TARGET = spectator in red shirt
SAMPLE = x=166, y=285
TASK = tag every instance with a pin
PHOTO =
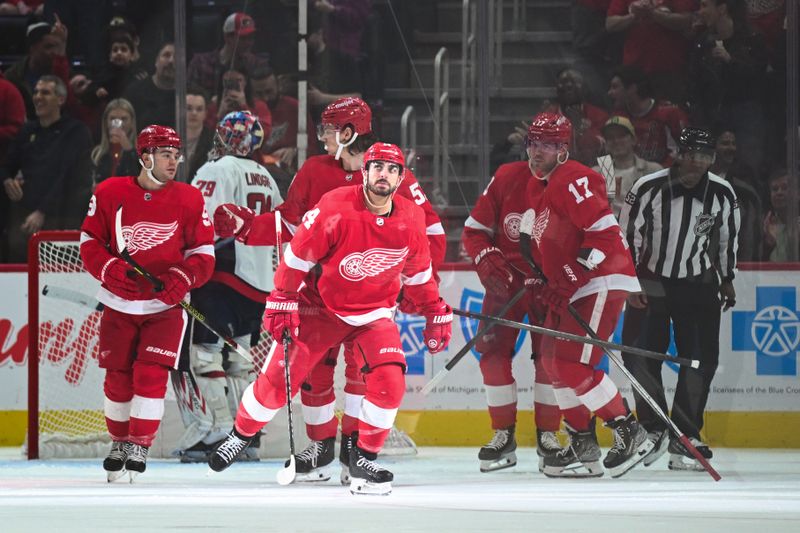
x=282, y=142
x=655, y=39
x=658, y=123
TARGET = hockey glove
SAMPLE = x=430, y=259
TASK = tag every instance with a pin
x=495, y=272
x=438, y=326
x=281, y=313
x=558, y=291
x=231, y=220
x=176, y=284
x=120, y=279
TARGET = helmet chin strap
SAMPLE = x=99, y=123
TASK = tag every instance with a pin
x=343, y=146
x=365, y=188
x=149, y=172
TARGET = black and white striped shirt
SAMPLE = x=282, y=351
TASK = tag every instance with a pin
x=682, y=233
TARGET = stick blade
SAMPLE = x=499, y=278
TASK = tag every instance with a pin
x=288, y=473
x=429, y=386
x=702, y=460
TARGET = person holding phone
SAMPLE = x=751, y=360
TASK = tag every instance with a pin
x=115, y=155
x=235, y=95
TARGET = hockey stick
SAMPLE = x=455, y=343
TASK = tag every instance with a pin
x=429, y=386
x=288, y=473
x=122, y=248
x=70, y=295
x=693, y=363
x=525, y=249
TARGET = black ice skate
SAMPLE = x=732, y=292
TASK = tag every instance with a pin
x=228, y=450
x=312, y=462
x=660, y=440
x=250, y=454
x=344, y=458
x=499, y=453
x=199, y=453
x=547, y=444
x=682, y=459
x=136, y=463
x=580, y=459
x=367, y=476
x=114, y=464
x=631, y=445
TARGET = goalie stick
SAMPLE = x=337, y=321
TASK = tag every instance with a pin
x=288, y=473
x=122, y=248
x=525, y=248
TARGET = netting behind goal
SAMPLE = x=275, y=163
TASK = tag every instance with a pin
x=65, y=388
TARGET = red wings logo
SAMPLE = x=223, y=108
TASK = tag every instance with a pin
x=145, y=235
x=511, y=226
x=360, y=265
x=539, y=224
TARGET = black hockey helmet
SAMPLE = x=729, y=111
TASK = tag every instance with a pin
x=697, y=139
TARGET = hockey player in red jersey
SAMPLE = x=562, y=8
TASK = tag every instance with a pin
x=368, y=242
x=491, y=238
x=168, y=232
x=234, y=297
x=346, y=131
x=582, y=253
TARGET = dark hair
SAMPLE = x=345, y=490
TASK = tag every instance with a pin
x=197, y=91
x=737, y=10
x=362, y=143
x=36, y=31
x=777, y=173
x=261, y=72
x=121, y=38
x=630, y=75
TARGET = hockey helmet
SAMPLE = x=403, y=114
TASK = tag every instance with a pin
x=384, y=152
x=550, y=127
x=348, y=111
x=239, y=133
x=697, y=139
x=155, y=136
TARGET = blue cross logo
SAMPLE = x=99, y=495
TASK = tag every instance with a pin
x=473, y=301
x=412, y=340
x=772, y=331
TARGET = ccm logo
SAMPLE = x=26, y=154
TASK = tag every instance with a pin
x=160, y=351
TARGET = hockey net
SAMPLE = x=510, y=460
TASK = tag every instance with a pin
x=65, y=388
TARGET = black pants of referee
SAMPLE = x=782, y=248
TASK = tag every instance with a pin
x=694, y=309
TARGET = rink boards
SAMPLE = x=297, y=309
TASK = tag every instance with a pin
x=754, y=402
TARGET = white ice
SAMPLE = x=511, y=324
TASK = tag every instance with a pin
x=441, y=489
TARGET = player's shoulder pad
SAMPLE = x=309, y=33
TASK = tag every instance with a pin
x=512, y=171
x=111, y=186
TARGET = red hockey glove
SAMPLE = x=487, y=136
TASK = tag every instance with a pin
x=406, y=306
x=280, y=313
x=176, y=284
x=231, y=220
x=120, y=279
x=438, y=326
x=559, y=290
x=495, y=272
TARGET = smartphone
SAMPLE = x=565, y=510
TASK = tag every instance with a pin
x=230, y=85
x=116, y=123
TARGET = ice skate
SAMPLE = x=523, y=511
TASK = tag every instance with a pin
x=547, y=444
x=367, y=476
x=344, y=458
x=228, y=450
x=311, y=463
x=136, y=463
x=682, y=459
x=631, y=445
x=580, y=459
x=499, y=453
x=114, y=464
x=660, y=440
x=250, y=454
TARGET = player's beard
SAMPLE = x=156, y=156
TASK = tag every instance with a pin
x=380, y=192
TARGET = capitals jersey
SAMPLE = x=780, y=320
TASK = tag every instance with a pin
x=323, y=173
x=572, y=213
x=162, y=228
x=364, y=258
x=241, y=181
x=495, y=219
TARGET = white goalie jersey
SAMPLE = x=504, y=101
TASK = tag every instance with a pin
x=244, y=182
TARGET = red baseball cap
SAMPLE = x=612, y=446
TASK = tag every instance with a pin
x=239, y=23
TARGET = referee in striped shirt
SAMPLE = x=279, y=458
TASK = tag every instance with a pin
x=681, y=224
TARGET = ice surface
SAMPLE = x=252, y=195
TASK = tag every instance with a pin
x=441, y=489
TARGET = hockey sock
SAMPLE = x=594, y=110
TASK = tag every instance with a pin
x=147, y=406
x=386, y=385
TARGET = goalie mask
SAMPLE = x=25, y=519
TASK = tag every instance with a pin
x=239, y=133
x=344, y=112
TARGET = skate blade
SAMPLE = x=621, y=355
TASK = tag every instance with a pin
x=192, y=458
x=315, y=476
x=344, y=477
x=681, y=463
x=111, y=477
x=133, y=475
x=644, y=449
x=364, y=487
x=656, y=453
x=506, y=461
x=574, y=471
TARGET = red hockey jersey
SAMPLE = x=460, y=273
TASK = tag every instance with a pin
x=657, y=132
x=573, y=213
x=323, y=173
x=163, y=228
x=495, y=219
x=364, y=257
